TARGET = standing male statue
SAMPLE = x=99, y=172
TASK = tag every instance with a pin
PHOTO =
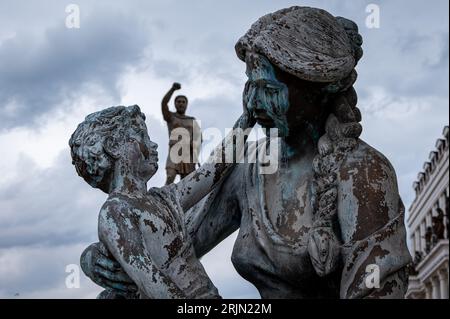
x=184, y=137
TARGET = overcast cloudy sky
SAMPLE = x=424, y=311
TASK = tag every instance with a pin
x=130, y=52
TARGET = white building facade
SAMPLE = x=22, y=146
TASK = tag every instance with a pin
x=428, y=224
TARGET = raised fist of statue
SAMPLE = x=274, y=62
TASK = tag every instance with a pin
x=176, y=86
x=101, y=268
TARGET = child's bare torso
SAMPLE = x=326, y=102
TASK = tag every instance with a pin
x=156, y=220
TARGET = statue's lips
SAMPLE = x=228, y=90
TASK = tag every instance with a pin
x=150, y=155
x=153, y=156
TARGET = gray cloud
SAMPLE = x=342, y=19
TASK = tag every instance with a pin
x=39, y=271
x=218, y=112
x=48, y=206
x=38, y=75
x=408, y=54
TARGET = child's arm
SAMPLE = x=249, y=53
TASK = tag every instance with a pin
x=197, y=184
x=122, y=237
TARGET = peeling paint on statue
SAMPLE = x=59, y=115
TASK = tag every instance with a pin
x=312, y=228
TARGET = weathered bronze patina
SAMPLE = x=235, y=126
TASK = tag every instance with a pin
x=331, y=213
x=142, y=232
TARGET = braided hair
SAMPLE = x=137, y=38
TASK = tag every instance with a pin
x=342, y=131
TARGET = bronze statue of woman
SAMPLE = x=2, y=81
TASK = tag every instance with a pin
x=330, y=219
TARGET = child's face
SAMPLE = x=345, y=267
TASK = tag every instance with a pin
x=140, y=153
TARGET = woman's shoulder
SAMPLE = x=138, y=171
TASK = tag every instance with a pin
x=366, y=157
x=370, y=196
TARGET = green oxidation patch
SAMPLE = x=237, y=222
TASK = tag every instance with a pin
x=265, y=92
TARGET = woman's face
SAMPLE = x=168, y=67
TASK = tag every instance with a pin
x=277, y=99
x=264, y=96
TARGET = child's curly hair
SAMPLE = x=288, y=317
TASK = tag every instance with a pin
x=92, y=162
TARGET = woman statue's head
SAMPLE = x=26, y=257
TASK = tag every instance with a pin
x=113, y=143
x=298, y=59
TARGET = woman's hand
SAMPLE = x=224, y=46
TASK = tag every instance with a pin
x=101, y=268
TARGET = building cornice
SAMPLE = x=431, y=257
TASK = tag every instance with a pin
x=433, y=172
x=441, y=179
x=429, y=167
x=433, y=260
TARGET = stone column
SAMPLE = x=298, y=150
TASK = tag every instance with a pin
x=443, y=282
x=428, y=218
x=422, y=236
x=428, y=290
x=417, y=246
x=436, y=288
x=444, y=209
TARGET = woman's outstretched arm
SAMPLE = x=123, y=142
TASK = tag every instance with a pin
x=196, y=185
